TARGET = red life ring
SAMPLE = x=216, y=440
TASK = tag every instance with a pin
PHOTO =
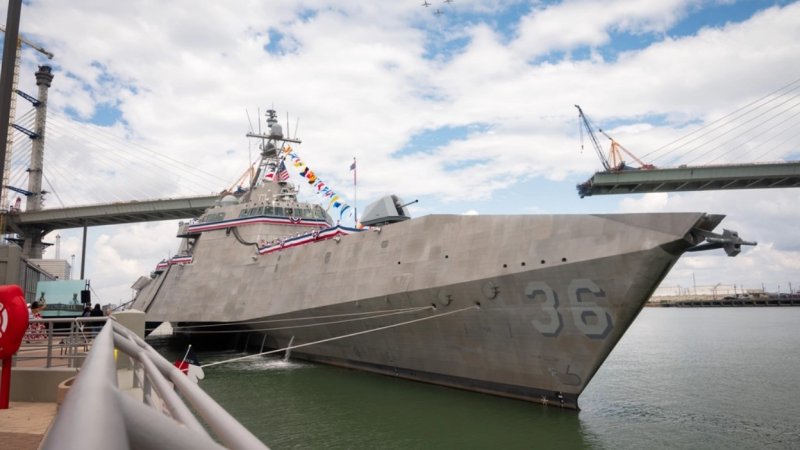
x=13, y=319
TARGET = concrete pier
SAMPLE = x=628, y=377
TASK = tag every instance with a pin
x=24, y=424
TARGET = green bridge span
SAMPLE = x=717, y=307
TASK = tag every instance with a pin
x=701, y=178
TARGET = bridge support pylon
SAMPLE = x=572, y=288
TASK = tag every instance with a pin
x=33, y=246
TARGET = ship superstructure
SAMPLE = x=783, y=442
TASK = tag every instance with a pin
x=524, y=306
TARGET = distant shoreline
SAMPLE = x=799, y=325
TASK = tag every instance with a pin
x=685, y=301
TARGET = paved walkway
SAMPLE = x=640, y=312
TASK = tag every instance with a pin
x=38, y=358
x=23, y=424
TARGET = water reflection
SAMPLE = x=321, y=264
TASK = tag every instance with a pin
x=313, y=406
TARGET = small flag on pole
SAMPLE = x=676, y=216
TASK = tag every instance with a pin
x=355, y=192
x=283, y=174
x=190, y=365
x=269, y=172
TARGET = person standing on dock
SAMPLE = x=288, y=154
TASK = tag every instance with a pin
x=96, y=312
x=35, y=329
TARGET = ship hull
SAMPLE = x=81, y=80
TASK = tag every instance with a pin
x=520, y=306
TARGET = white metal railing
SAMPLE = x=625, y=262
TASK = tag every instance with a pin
x=98, y=414
x=61, y=340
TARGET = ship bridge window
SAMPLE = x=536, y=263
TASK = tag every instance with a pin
x=289, y=211
x=258, y=211
x=269, y=210
x=305, y=213
x=279, y=211
x=251, y=212
x=317, y=212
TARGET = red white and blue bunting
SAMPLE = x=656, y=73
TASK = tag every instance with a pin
x=273, y=220
x=307, y=238
x=175, y=260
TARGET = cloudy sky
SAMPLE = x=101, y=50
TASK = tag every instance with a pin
x=470, y=111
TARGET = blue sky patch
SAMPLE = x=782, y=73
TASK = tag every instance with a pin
x=504, y=22
x=427, y=140
x=307, y=14
x=717, y=14
x=580, y=53
x=274, y=46
x=438, y=47
x=657, y=120
x=106, y=114
x=552, y=57
x=792, y=156
x=621, y=42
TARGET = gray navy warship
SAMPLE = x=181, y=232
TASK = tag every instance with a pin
x=522, y=306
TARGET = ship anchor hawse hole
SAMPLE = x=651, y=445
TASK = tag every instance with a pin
x=490, y=290
x=444, y=298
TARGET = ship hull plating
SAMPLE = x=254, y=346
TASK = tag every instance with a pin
x=520, y=306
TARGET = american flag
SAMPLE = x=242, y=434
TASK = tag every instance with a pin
x=283, y=174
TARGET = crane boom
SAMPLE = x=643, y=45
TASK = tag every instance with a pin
x=585, y=122
x=31, y=45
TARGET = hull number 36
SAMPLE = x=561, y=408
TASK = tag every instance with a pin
x=591, y=319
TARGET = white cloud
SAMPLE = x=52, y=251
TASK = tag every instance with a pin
x=568, y=25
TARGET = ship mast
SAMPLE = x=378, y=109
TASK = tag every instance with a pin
x=269, y=147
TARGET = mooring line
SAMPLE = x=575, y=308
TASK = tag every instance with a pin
x=341, y=337
x=251, y=330
x=416, y=308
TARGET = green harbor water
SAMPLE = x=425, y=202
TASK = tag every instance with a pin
x=693, y=378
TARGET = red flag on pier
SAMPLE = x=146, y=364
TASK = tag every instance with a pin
x=190, y=365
